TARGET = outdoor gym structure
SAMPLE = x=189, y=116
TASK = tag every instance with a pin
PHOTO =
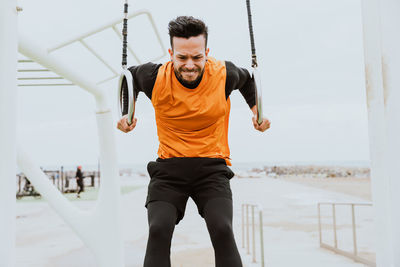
x=381, y=24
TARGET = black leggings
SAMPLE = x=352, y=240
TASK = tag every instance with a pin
x=81, y=187
x=218, y=216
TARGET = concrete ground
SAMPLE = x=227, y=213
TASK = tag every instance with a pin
x=291, y=236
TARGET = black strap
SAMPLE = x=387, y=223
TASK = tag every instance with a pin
x=125, y=35
x=253, y=47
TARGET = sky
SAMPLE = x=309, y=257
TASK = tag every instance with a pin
x=310, y=56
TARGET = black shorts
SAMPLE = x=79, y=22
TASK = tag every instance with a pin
x=174, y=180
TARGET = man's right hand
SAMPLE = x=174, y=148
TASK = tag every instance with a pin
x=123, y=126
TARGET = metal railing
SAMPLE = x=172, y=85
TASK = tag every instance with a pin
x=246, y=235
x=355, y=256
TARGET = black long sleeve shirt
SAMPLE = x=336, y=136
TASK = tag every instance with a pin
x=145, y=75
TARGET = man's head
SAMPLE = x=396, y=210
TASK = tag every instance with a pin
x=188, y=37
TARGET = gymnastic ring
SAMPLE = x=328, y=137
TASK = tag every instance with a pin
x=257, y=81
x=126, y=96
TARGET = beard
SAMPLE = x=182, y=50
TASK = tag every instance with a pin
x=182, y=70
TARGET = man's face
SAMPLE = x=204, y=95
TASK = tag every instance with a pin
x=189, y=56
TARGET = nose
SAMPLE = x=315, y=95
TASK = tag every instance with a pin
x=189, y=64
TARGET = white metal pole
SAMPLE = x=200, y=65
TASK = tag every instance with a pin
x=105, y=219
x=377, y=131
x=8, y=100
x=390, y=21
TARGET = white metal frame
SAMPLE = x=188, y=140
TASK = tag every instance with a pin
x=382, y=64
x=8, y=100
x=113, y=24
x=101, y=228
x=28, y=81
x=80, y=38
x=106, y=217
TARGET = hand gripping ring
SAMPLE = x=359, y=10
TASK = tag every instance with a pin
x=126, y=96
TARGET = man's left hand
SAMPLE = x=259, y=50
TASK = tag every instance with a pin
x=263, y=126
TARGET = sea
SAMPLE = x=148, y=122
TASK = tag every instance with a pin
x=243, y=166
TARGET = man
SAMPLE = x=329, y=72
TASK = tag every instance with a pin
x=79, y=181
x=190, y=95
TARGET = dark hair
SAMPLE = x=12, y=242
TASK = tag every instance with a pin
x=186, y=27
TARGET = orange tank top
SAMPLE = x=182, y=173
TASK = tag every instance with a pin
x=192, y=122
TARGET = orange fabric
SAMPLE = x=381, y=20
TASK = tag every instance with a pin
x=192, y=122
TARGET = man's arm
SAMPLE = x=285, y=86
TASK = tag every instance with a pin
x=239, y=78
x=144, y=77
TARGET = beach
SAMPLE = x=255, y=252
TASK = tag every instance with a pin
x=289, y=205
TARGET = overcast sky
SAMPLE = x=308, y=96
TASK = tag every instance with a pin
x=310, y=54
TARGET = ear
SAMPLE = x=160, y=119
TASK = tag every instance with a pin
x=171, y=53
x=207, y=51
